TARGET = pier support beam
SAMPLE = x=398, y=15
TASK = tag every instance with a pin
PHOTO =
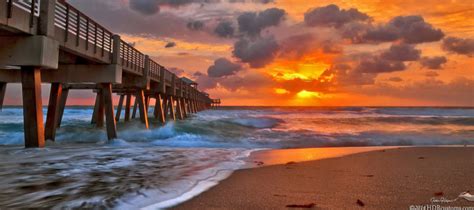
x=183, y=107
x=98, y=115
x=179, y=110
x=171, y=107
x=127, y=107
x=3, y=89
x=142, y=107
x=32, y=107
x=106, y=92
x=119, y=108
x=158, y=112
x=62, y=106
x=53, y=111
x=134, y=112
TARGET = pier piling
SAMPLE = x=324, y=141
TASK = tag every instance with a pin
x=3, y=89
x=53, y=113
x=32, y=107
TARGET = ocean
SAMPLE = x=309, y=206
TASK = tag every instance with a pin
x=168, y=164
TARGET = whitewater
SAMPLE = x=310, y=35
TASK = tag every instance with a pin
x=166, y=165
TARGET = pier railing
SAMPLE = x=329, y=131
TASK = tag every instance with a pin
x=82, y=27
x=132, y=59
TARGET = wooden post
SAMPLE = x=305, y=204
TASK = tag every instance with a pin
x=134, y=112
x=32, y=107
x=179, y=111
x=96, y=108
x=141, y=106
x=98, y=115
x=127, y=107
x=3, y=88
x=165, y=106
x=147, y=103
x=119, y=108
x=53, y=111
x=62, y=106
x=183, y=108
x=159, y=113
x=171, y=106
x=106, y=92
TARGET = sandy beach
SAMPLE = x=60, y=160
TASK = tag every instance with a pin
x=394, y=178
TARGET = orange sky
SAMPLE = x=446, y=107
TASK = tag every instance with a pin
x=303, y=71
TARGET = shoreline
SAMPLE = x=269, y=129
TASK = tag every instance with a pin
x=331, y=179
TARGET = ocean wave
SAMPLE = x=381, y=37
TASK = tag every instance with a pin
x=260, y=122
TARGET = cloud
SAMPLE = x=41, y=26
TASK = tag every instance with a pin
x=222, y=68
x=195, y=25
x=170, y=44
x=401, y=52
x=332, y=16
x=146, y=7
x=250, y=81
x=457, y=92
x=431, y=74
x=377, y=65
x=150, y=7
x=459, y=45
x=410, y=29
x=435, y=62
x=395, y=79
x=179, y=72
x=258, y=53
x=252, y=23
x=224, y=29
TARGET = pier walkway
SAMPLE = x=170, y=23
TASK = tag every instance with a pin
x=50, y=41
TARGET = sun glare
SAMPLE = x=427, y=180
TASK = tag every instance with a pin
x=308, y=94
x=281, y=91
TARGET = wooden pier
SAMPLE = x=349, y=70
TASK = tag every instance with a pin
x=50, y=41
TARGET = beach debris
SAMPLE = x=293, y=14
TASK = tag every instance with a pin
x=438, y=193
x=421, y=158
x=360, y=203
x=305, y=206
x=291, y=162
x=278, y=195
x=466, y=195
x=369, y=175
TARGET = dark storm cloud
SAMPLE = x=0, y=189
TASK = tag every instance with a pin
x=223, y=67
x=459, y=45
x=170, y=45
x=258, y=52
x=435, y=62
x=377, y=65
x=252, y=23
x=332, y=16
x=195, y=25
x=402, y=52
x=409, y=29
x=146, y=7
x=344, y=75
x=224, y=29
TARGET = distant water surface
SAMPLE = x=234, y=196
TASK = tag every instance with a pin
x=143, y=167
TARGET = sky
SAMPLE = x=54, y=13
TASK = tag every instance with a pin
x=302, y=52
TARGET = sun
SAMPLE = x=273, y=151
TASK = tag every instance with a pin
x=304, y=94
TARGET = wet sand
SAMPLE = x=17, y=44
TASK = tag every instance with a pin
x=393, y=178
